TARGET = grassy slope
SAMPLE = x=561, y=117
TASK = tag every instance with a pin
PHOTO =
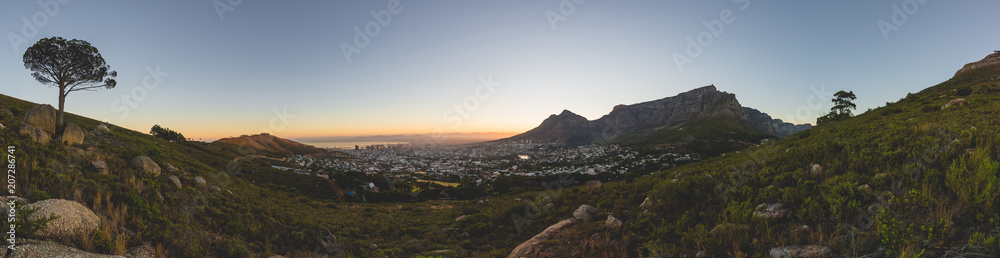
x=933, y=176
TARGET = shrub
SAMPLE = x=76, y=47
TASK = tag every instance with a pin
x=975, y=179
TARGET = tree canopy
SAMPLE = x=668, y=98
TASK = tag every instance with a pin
x=70, y=65
x=167, y=134
x=841, y=110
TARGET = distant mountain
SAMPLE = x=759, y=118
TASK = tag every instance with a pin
x=672, y=122
x=271, y=144
x=763, y=122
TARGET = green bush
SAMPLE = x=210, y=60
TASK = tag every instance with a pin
x=975, y=179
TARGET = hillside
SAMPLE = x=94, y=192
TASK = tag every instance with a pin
x=270, y=144
x=918, y=177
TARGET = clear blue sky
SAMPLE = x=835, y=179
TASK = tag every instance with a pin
x=227, y=76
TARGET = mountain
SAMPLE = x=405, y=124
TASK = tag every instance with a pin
x=271, y=144
x=763, y=122
x=704, y=115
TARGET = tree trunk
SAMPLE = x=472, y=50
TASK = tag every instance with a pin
x=62, y=103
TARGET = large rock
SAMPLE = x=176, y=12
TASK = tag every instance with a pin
x=770, y=211
x=43, y=117
x=146, y=165
x=955, y=102
x=612, y=222
x=801, y=251
x=100, y=166
x=74, y=223
x=72, y=135
x=39, y=248
x=176, y=181
x=816, y=169
x=145, y=250
x=583, y=213
x=200, y=182
x=528, y=247
x=102, y=128
x=170, y=168
x=35, y=133
x=646, y=204
x=2, y=127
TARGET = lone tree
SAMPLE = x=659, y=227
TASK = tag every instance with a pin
x=167, y=134
x=841, y=109
x=71, y=65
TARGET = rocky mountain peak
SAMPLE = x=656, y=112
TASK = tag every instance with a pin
x=991, y=60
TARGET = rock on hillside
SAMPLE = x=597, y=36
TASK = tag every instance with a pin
x=526, y=248
x=146, y=165
x=35, y=133
x=992, y=60
x=74, y=221
x=72, y=135
x=38, y=248
x=43, y=117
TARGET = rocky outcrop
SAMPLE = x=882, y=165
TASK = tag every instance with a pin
x=176, y=181
x=39, y=248
x=955, y=102
x=100, y=166
x=991, y=60
x=200, y=182
x=528, y=247
x=583, y=213
x=43, y=117
x=764, y=123
x=145, y=250
x=770, y=211
x=801, y=251
x=72, y=135
x=146, y=165
x=612, y=222
x=36, y=134
x=102, y=128
x=74, y=222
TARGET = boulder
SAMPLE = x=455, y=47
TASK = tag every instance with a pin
x=583, y=213
x=176, y=181
x=613, y=223
x=200, y=182
x=35, y=133
x=74, y=223
x=548, y=207
x=594, y=184
x=72, y=135
x=43, y=117
x=102, y=128
x=2, y=127
x=770, y=211
x=146, y=165
x=528, y=247
x=646, y=204
x=100, y=166
x=5, y=112
x=815, y=169
x=460, y=218
x=170, y=168
x=145, y=250
x=954, y=102
x=801, y=251
x=39, y=248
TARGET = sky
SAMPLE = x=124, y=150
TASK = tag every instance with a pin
x=214, y=69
